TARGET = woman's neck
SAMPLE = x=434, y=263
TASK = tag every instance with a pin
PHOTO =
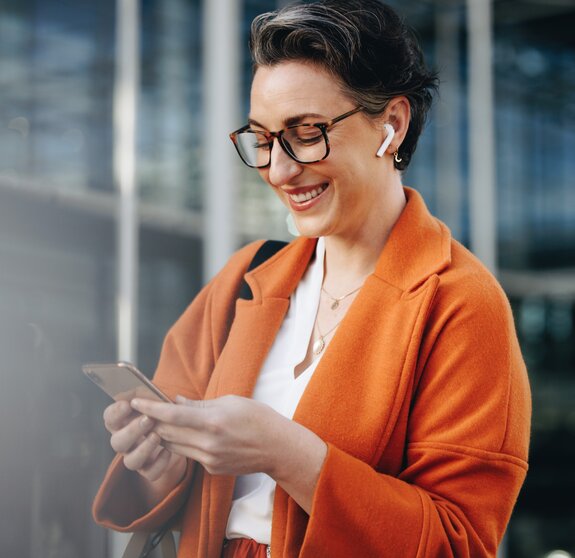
x=350, y=258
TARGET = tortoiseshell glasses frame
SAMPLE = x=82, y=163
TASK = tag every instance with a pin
x=304, y=143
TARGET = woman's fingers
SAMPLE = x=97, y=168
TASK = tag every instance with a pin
x=180, y=434
x=117, y=415
x=157, y=465
x=191, y=414
x=132, y=436
x=227, y=435
x=143, y=453
x=124, y=440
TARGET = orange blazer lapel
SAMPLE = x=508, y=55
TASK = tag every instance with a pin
x=252, y=334
x=257, y=321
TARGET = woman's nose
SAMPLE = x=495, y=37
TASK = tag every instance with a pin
x=282, y=167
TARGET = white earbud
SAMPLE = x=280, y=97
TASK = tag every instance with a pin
x=387, y=140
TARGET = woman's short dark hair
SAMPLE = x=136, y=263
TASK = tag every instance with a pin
x=363, y=43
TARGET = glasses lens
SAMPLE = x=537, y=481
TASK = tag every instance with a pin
x=305, y=142
x=253, y=148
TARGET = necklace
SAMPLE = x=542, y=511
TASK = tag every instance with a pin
x=337, y=300
x=319, y=345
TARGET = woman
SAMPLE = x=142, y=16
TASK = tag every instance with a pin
x=370, y=398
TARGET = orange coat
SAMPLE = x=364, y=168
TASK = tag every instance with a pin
x=422, y=398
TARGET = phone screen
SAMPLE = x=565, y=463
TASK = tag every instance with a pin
x=123, y=381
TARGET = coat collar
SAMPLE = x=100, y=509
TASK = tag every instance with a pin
x=418, y=247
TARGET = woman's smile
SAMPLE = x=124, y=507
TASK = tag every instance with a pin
x=303, y=198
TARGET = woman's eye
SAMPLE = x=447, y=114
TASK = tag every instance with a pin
x=308, y=135
x=309, y=140
x=260, y=142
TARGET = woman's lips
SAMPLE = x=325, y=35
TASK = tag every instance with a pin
x=301, y=199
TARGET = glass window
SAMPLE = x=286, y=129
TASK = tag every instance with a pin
x=56, y=62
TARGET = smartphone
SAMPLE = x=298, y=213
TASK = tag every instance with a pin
x=123, y=381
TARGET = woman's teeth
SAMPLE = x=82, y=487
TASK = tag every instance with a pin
x=300, y=198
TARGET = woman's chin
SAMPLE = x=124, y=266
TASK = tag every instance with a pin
x=309, y=228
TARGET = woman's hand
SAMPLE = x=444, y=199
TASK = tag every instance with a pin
x=134, y=438
x=234, y=435
x=228, y=436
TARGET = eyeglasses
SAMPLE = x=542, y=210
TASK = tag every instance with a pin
x=304, y=143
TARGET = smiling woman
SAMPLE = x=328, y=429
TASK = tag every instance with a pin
x=345, y=408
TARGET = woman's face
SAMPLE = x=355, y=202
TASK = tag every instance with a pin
x=349, y=185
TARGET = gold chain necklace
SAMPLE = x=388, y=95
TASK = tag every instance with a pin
x=319, y=345
x=337, y=300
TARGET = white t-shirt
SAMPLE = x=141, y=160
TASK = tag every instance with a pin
x=251, y=512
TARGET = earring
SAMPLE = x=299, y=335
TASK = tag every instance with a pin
x=396, y=157
x=390, y=133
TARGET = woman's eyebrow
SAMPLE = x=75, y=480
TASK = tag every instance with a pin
x=291, y=120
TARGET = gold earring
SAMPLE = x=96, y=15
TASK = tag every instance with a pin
x=396, y=157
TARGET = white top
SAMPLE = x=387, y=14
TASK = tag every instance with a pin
x=251, y=512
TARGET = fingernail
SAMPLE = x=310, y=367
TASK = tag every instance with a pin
x=135, y=403
x=180, y=399
x=145, y=422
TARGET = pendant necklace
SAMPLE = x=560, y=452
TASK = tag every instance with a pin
x=319, y=345
x=336, y=300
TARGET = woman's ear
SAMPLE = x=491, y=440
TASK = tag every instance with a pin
x=397, y=114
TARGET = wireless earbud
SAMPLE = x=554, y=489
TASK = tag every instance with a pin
x=387, y=140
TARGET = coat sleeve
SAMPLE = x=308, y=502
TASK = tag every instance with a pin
x=466, y=446
x=188, y=356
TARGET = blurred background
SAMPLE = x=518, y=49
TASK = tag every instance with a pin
x=496, y=163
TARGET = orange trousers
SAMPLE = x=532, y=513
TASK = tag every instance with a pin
x=244, y=548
